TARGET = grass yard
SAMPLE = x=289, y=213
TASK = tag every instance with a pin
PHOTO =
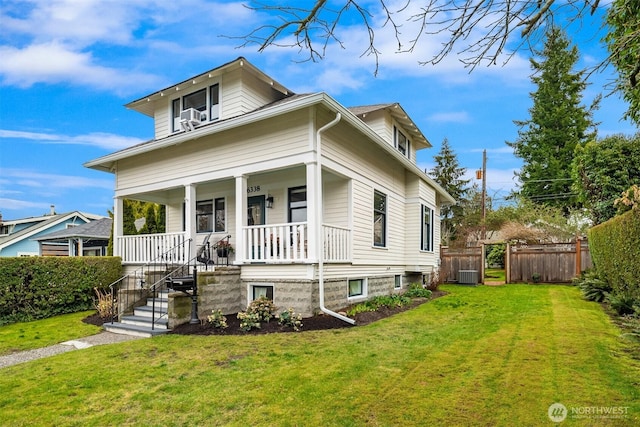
x=485, y=356
x=42, y=333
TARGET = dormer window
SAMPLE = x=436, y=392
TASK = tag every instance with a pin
x=206, y=100
x=401, y=142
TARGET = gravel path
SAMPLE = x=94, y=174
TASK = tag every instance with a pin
x=85, y=342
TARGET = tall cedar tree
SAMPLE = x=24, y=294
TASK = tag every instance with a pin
x=558, y=123
x=448, y=174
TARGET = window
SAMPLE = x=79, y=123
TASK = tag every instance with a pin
x=204, y=216
x=398, y=281
x=426, y=232
x=207, y=101
x=262, y=291
x=357, y=288
x=379, y=219
x=220, y=214
x=298, y=204
x=401, y=142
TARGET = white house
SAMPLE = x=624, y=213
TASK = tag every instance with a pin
x=325, y=205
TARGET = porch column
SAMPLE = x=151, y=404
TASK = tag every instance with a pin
x=190, y=218
x=118, y=211
x=241, y=218
x=312, y=211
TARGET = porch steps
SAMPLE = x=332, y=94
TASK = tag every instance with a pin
x=141, y=322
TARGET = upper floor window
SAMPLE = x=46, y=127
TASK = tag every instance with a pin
x=426, y=232
x=203, y=100
x=379, y=219
x=298, y=204
x=401, y=142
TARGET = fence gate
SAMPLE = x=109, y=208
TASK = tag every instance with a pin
x=459, y=264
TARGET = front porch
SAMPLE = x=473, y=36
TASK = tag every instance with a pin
x=267, y=244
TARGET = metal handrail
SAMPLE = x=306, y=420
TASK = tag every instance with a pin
x=139, y=276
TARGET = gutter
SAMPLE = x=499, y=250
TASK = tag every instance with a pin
x=319, y=233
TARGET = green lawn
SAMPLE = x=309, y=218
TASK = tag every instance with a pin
x=42, y=333
x=486, y=356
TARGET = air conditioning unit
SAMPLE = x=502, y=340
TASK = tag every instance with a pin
x=191, y=115
x=468, y=277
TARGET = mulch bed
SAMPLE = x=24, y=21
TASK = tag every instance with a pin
x=315, y=323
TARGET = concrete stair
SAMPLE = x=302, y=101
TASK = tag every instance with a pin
x=141, y=323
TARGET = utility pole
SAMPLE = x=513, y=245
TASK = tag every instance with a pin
x=484, y=194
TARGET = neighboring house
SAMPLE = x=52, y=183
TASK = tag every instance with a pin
x=18, y=237
x=325, y=205
x=90, y=239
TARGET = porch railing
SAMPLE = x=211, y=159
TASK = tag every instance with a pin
x=281, y=243
x=146, y=248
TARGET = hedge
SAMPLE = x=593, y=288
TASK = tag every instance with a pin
x=615, y=250
x=39, y=287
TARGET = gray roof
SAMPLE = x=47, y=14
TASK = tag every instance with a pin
x=98, y=229
x=364, y=109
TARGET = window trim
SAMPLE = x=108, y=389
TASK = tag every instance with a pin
x=364, y=288
x=396, y=143
x=290, y=210
x=426, y=209
x=210, y=214
x=384, y=216
x=397, y=284
x=215, y=214
x=176, y=106
x=270, y=288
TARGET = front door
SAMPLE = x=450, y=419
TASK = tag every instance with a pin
x=255, y=210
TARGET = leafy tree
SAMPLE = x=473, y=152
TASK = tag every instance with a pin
x=603, y=170
x=558, y=123
x=623, y=42
x=448, y=173
x=479, y=31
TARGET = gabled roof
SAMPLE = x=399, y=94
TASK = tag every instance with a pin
x=398, y=113
x=51, y=221
x=145, y=105
x=99, y=229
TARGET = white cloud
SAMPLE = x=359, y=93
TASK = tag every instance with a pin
x=450, y=117
x=97, y=139
x=15, y=204
x=32, y=179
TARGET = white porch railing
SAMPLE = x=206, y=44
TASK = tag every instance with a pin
x=283, y=243
x=337, y=243
x=146, y=248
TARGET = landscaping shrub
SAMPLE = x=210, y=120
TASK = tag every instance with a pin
x=593, y=288
x=217, y=319
x=290, y=318
x=622, y=303
x=259, y=310
x=615, y=250
x=40, y=287
x=417, y=291
x=376, y=303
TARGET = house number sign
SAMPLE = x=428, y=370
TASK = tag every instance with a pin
x=253, y=189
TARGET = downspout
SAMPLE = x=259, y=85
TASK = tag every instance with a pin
x=319, y=219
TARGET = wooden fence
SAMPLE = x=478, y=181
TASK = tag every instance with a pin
x=547, y=263
x=453, y=260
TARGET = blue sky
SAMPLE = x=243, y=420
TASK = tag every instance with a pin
x=69, y=66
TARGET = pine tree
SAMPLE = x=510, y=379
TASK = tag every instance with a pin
x=558, y=123
x=448, y=173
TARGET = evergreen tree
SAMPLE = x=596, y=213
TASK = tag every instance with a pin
x=448, y=173
x=558, y=123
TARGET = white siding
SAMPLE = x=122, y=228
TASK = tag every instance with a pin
x=266, y=140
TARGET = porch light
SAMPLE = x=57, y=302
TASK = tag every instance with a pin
x=269, y=201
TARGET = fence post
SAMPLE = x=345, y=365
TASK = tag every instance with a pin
x=578, y=256
x=507, y=264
